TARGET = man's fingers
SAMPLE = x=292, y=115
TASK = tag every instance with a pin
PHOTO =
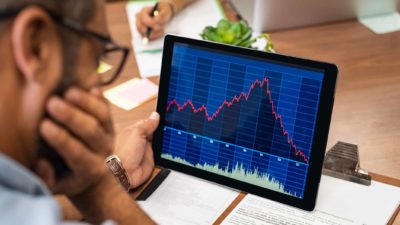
x=148, y=126
x=147, y=163
x=144, y=170
x=149, y=158
x=151, y=22
x=45, y=171
x=164, y=17
x=157, y=34
x=141, y=27
x=146, y=19
x=85, y=126
x=146, y=11
x=62, y=142
x=91, y=104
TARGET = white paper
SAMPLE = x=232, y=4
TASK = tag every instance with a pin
x=254, y=210
x=189, y=23
x=149, y=64
x=339, y=202
x=183, y=199
x=381, y=24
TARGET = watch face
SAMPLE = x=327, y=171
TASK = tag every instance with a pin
x=114, y=166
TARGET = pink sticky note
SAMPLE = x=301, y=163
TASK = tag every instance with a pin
x=132, y=93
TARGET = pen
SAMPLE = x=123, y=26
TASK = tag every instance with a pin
x=154, y=12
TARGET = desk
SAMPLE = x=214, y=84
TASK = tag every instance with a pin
x=367, y=105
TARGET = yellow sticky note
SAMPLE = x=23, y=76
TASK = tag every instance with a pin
x=103, y=67
x=132, y=93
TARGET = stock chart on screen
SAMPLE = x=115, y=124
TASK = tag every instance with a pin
x=245, y=118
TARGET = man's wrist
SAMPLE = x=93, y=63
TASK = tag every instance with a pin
x=172, y=7
x=116, y=167
x=90, y=201
x=104, y=182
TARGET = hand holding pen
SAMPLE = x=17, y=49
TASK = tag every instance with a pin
x=151, y=21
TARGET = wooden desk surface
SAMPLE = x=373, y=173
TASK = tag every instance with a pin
x=367, y=105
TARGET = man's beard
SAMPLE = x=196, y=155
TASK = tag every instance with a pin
x=45, y=151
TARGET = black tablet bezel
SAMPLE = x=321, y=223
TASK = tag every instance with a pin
x=320, y=135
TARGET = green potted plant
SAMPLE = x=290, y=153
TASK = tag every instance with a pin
x=236, y=33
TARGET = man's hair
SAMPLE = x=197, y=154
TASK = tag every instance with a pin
x=80, y=11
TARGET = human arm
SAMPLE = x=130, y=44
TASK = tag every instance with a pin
x=83, y=137
x=133, y=147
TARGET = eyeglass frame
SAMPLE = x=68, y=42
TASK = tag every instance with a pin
x=78, y=28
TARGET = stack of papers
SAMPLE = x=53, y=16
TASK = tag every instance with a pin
x=183, y=200
x=382, y=24
x=188, y=23
x=339, y=203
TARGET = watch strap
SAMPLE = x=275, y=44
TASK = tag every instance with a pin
x=117, y=169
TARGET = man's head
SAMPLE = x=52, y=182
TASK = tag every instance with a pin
x=40, y=56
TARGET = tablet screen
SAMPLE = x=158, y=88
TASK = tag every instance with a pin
x=243, y=117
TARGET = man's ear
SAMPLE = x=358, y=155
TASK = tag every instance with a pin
x=37, y=46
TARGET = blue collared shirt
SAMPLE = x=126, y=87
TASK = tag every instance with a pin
x=24, y=199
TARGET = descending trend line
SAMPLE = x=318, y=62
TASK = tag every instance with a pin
x=236, y=99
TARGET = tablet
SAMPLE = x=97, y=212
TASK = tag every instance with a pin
x=247, y=119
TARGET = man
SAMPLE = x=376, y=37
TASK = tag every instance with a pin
x=50, y=90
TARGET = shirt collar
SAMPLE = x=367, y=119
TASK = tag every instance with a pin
x=18, y=178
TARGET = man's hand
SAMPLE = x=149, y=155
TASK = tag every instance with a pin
x=82, y=134
x=157, y=23
x=134, y=149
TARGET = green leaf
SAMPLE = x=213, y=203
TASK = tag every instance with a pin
x=237, y=29
x=223, y=24
x=246, y=35
x=228, y=37
x=247, y=43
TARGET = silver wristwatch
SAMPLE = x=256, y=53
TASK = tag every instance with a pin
x=116, y=167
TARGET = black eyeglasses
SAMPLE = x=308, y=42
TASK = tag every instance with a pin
x=113, y=57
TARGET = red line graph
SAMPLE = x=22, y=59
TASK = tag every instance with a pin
x=237, y=99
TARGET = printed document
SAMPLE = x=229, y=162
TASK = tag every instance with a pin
x=184, y=200
x=339, y=202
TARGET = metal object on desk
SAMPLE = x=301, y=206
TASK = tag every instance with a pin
x=342, y=161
